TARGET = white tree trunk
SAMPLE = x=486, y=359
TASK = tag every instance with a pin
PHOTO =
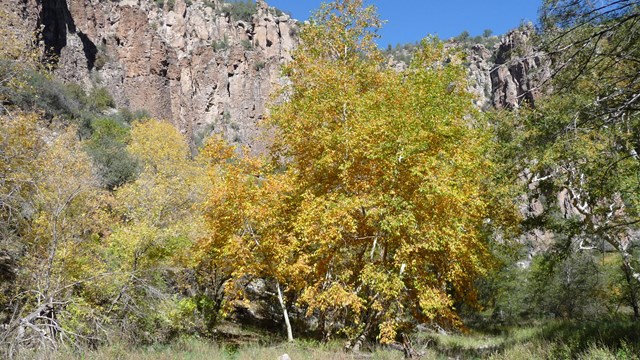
x=284, y=312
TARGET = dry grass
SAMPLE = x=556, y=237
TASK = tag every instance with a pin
x=550, y=340
x=196, y=349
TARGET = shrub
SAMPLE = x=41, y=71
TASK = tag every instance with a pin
x=219, y=45
x=259, y=65
x=107, y=148
x=463, y=37
x=247, y=44
x=102, y=56
x=200, y=136
x=101, y=99
x=53, y=98
x=226, y=116
x=127, y=116
x=241, y=10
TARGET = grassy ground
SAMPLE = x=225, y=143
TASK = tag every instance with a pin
x=544, y=340
x=197, y=349
x=549, y=340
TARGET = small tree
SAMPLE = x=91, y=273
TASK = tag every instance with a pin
x=463, y=37
x=161, y=222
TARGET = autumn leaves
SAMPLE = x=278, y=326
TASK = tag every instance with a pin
x=370, y=208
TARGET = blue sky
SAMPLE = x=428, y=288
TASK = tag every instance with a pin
x=412, y=20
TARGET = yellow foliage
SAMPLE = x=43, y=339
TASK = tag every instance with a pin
x=53, y=211
x=161, y=207
x=373, y=205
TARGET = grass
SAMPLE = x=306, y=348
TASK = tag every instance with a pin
x=554, y=339
x=198, y=349
x=542, y=340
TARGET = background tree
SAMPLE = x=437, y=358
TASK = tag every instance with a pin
x=61, y=214
x=592, y=120
x=247, y=221
x=107, y=147
x=579, y=145
x=21, y=144
x=161, y=220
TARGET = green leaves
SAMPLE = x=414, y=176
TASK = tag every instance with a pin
x=107, y=147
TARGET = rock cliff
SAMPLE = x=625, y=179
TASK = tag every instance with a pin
x=520, y=71
x=187, y=61
x=191, y=62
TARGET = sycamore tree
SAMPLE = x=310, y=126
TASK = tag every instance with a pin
x=248, y=214
x=373, y=211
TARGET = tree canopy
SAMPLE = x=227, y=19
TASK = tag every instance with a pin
x=372, y=209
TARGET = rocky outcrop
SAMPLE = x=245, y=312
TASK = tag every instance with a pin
x=520, y=71
x=479, y=62
x=511, y=73
x=188, y=62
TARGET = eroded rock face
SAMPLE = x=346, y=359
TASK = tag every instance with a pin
x=520, y=71
x=479, y=59
x=204, y=71
x=511, y=73
x=191, y=64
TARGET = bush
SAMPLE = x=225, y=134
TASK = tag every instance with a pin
x=67, y=103
x=127, y=116
x=259, y=65
x=101, y=99
x=247, y=44
x=102, y=56
x=107, y=148
x=572, y=287
x=200, y=137
x=219, y=45
x=241, y=10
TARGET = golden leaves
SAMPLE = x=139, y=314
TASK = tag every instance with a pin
x=372, y=205
x=162, y=207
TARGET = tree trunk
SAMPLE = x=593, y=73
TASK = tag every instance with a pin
x=357, y=343
x=631, y=283
x=284, y=312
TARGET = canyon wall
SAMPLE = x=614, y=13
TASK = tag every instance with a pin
x=192, y=63
x=189, y=62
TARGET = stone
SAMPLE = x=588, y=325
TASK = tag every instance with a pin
x=205, y=72
x=189, y=65
x=520, y=72
x=480, y=75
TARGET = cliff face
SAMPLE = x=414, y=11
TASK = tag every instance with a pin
x=188, y=61
x=193, y=64
x=520, y=72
